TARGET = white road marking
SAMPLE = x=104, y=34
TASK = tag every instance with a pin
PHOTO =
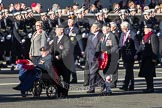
x=5, y=84
x=81, y=81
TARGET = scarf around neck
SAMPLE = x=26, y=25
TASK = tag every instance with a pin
x=146, y=36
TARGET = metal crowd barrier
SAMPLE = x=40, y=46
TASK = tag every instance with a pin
x=111, y=16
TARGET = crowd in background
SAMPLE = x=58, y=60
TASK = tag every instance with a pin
x=139, y=5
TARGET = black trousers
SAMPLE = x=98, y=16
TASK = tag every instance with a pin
x=149, y=82
x=86, y=73
x=129, y=76
x=115, y=78
x=16, y=51
x=63, y=72
x=1, y=55
x=74, y=75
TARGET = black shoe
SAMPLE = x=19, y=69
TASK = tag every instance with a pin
x=73, y=81
x=62, y=95
x=17, y=87
x=148, y=91
x=91, y=91
x=123, y=88
x=23, y=94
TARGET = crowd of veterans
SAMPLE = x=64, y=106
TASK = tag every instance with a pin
x=73, y=40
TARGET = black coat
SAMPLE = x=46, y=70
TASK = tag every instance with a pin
x=113, y=52
x=147, y=52
x=64, y=51
x=128, y=50
x=75, y=38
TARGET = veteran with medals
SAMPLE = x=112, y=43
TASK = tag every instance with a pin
x=148, y=54
x=128, y=45
x=108, y=45
x=63, y=58
x=75, y=37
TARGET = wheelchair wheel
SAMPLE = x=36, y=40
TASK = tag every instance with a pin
x=51, y=91
x=37, y=89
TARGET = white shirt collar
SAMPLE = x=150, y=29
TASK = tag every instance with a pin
x=95, y=33
x=59, y=38
x=107, y=35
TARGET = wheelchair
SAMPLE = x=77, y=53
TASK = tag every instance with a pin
x=44, y=83
x=41, y=82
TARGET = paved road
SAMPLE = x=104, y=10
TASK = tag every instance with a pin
x=78, y=98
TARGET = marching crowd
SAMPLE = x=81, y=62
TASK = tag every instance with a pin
x=67, y=40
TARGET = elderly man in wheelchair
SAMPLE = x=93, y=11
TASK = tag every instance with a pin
x=36, y=77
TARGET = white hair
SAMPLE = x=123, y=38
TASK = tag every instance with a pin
x=124, y=24
x=113, y=24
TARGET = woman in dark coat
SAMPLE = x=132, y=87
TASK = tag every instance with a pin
x=148, y=55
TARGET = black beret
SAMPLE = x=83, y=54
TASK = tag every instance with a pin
x=44, y=48
x=75, y=4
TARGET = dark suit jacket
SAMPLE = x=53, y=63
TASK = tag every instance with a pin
x=129, y=48
x=110, y=49
x=132, y=36
x=147, y=52
x=91, y=48
x=76, y=40
x=113, y=53
x=64, y=51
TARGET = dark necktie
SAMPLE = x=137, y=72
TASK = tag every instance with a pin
x=105, y=39
x=124, y=39
x=69, y=30
x=57, y=39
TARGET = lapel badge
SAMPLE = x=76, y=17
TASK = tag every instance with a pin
x=72, y=38
x=143, y=42
x=108, y=43
x=61, y=47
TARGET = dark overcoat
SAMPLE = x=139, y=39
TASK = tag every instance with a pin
x=148, y=52
x=113, y=53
